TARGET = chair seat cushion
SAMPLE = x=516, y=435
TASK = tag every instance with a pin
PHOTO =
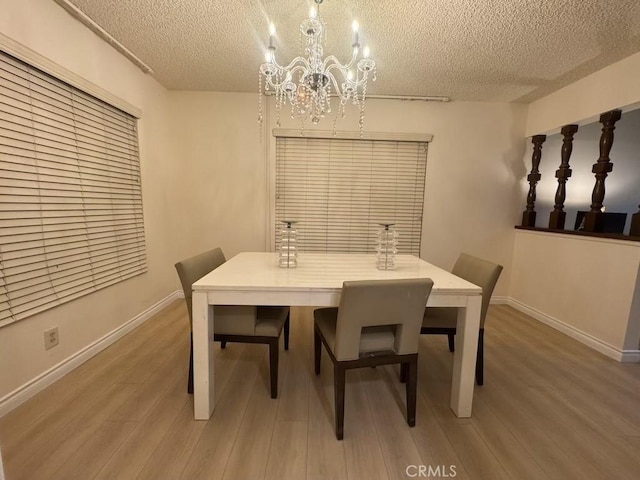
x=440, y=317
x=249, y=320
x=378, y=339
x=372, y=339
x=234, y=320
x=270, y=321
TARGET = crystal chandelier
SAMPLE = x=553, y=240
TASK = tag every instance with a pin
x=308, y=81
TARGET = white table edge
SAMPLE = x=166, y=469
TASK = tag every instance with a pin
x=468, y=301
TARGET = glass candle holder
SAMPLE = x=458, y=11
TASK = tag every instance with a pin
x=387, y=240
x=288, y=255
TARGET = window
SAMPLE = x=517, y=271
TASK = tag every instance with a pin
x=340, y=189
x=70, y=195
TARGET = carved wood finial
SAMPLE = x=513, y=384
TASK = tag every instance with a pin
x=558, y=215
x=529, y=215
x=594, y=219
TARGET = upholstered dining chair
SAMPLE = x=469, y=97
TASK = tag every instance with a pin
x=443, y=320
x=376, y=323
x=239, y=323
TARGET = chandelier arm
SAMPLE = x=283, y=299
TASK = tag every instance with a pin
x=341, y=68
x=273, y=84
x=294, y=70
x=275, y=63
x=286, y=73
x=326, y=65
x=355, y=82
x=295, y=61
x=338, y=88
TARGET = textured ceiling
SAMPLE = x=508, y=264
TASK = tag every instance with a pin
x=487, y=50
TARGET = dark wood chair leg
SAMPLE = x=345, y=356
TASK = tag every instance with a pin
x=404, y=372
x=286, y=331
x=317, y=352
x=274, y=348
x=223, y=344
x=480, y=359
x=338, y=385
x=190, y=379
x=412, y=391
x=452, y=342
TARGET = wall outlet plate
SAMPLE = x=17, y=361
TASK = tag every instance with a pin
x=50, y=338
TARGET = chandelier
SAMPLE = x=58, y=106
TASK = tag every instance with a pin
x=308, y=82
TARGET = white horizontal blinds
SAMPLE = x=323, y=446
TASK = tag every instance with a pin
x=70, y=194
x=339, y=190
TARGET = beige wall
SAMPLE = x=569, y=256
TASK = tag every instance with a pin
x=222, y=176
x=585, y=283
x=474, y=168
x=589, y=286
x=44, y=27
x=615, y=86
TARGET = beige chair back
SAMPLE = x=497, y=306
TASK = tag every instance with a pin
x=481, y=273
x=194, y=268
x=370, y=303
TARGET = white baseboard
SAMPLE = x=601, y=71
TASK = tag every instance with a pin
x=499, y=300
x=42, y=381
x=624, y=356
x=630, y=356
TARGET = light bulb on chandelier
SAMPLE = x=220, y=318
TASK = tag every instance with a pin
x=308, y=82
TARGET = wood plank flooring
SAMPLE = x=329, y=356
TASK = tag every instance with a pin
x=550, y=408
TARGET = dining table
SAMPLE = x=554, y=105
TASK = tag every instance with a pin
x=255, y=278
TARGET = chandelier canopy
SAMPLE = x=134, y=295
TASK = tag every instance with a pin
x=308, y=81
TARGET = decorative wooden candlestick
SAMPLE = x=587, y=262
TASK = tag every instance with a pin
x=529, y=215
x=558, y=215
x=594, y=219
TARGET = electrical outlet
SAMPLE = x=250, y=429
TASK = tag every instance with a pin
x=50, y=338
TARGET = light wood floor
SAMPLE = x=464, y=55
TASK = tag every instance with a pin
x=550, y=408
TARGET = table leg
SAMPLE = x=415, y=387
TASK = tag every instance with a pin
x=464, y=358
x=203, y=399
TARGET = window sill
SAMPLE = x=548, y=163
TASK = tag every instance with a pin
x=580, y=233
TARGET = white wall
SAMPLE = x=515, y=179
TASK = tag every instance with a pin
x=587, y=284
x=46, y=28
x=222, y=172
x=473, y=170
x=615, y=86
x=587, y=287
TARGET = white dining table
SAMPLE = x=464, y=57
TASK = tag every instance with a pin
x=254, y=278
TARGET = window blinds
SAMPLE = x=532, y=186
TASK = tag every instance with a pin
x=339, y=190
x=70, y=195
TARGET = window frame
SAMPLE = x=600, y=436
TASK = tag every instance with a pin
x=129, y=198
x=272, y=228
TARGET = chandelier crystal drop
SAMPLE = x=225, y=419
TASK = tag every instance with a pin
x=308, y=82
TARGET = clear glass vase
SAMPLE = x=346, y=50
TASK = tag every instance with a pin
x=288, y=255
x=386, y=243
